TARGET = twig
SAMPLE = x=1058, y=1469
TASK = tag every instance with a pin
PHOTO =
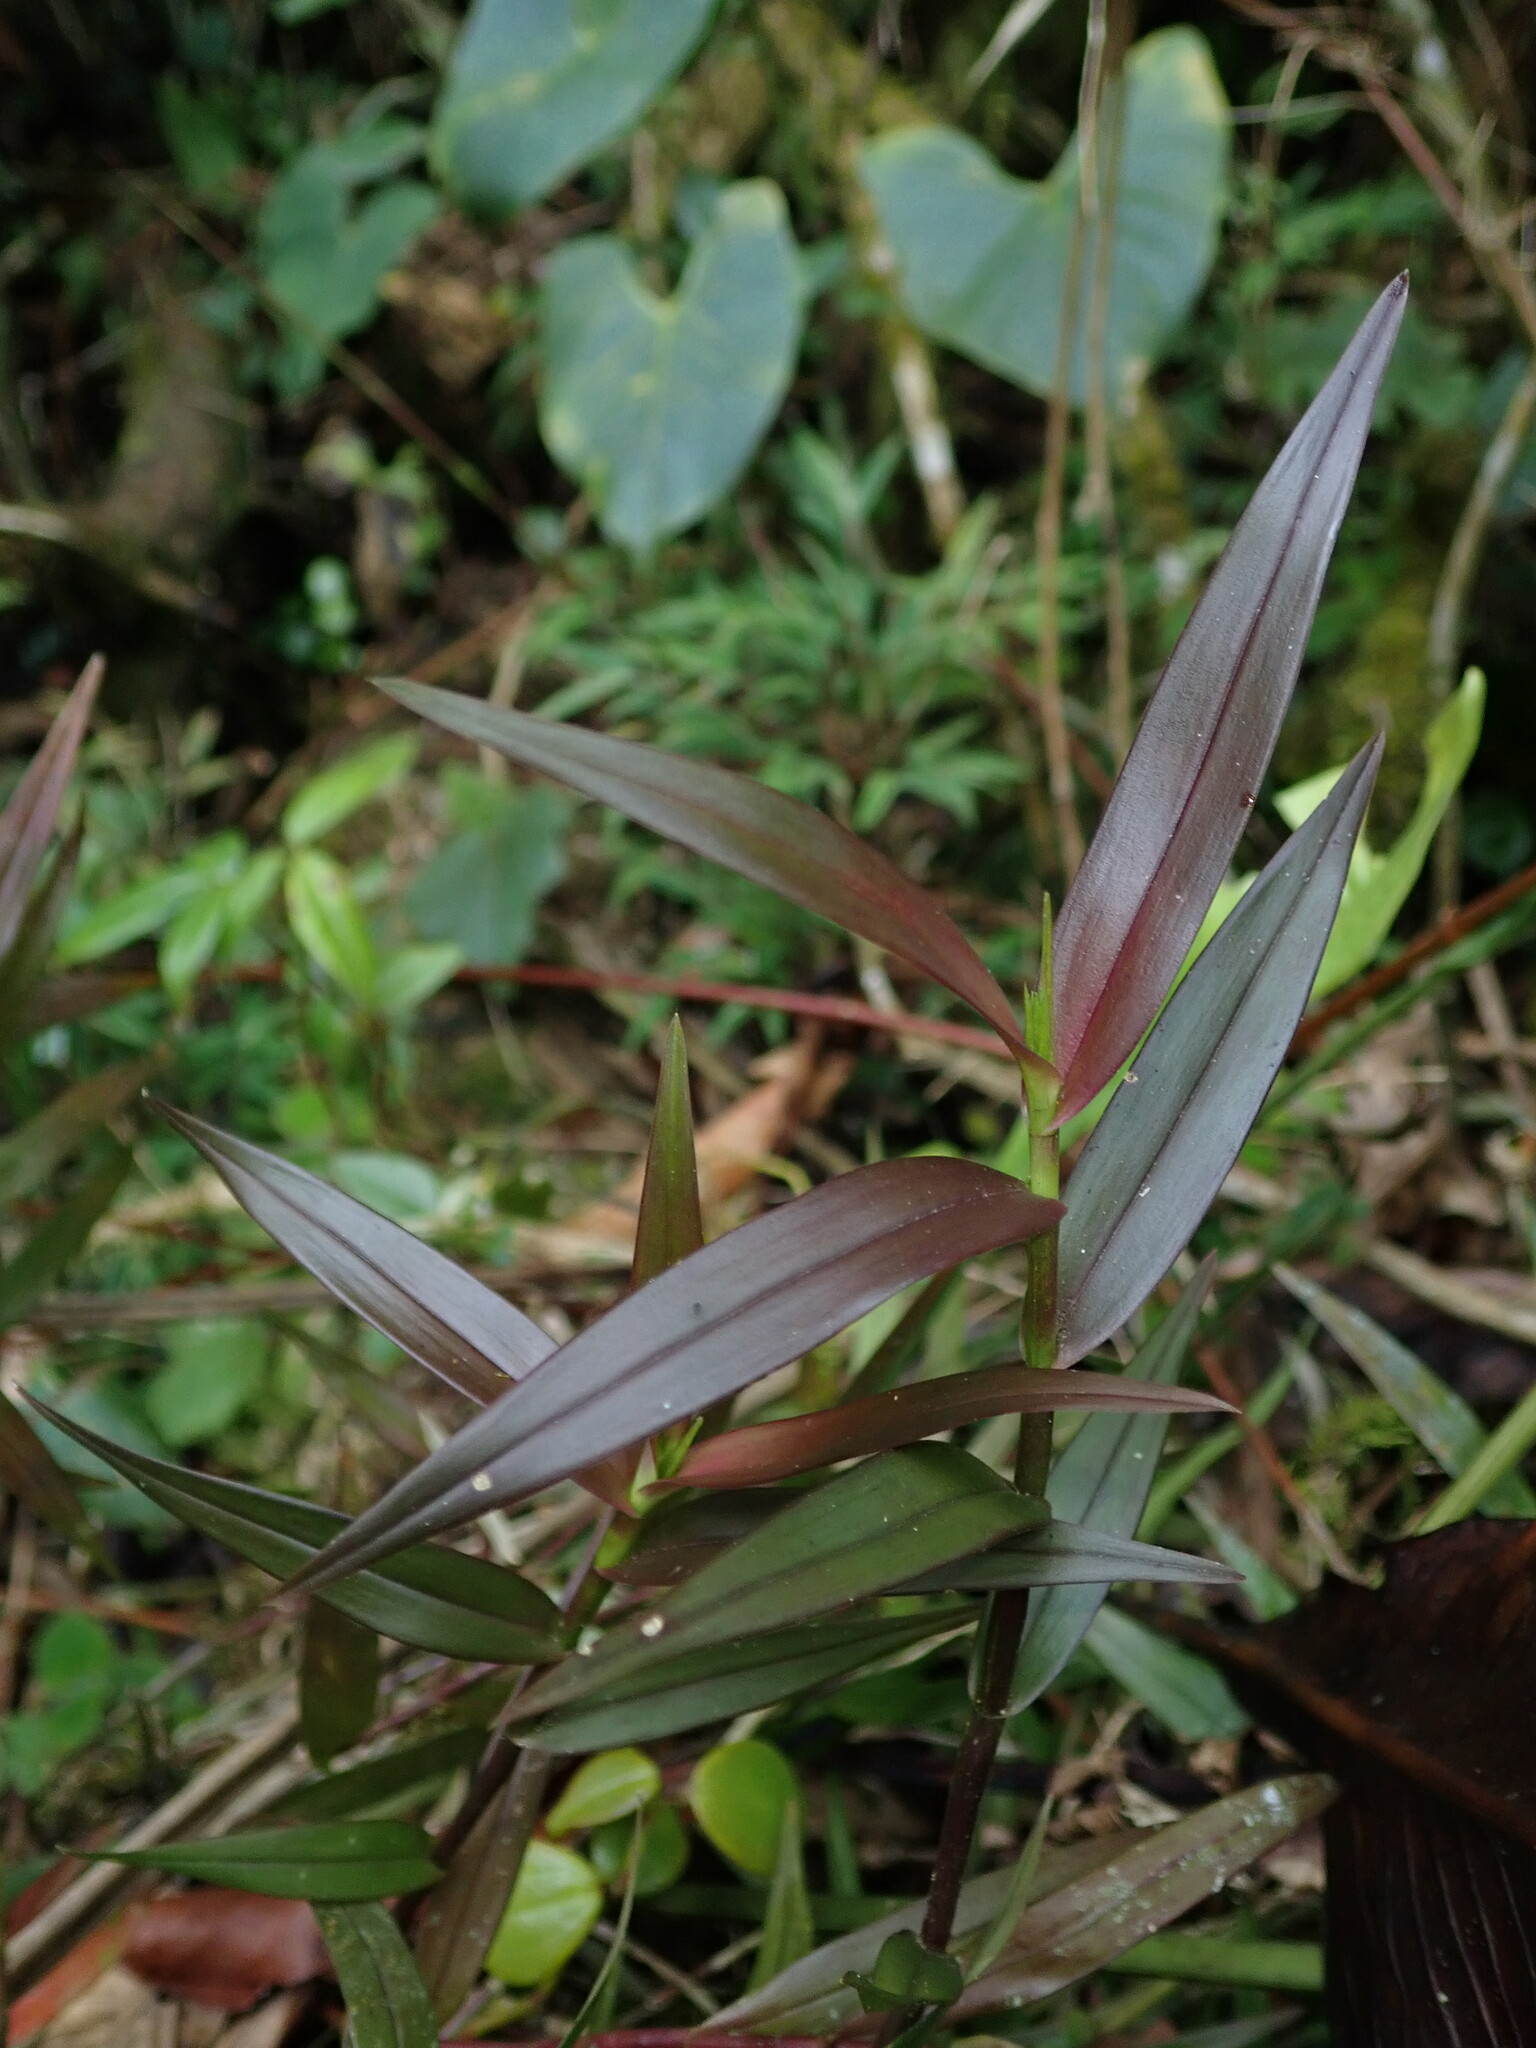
x=19, y=1599
x=1443, y=653
x=59, y=529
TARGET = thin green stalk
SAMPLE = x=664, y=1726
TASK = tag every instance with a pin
x=1498, y=1457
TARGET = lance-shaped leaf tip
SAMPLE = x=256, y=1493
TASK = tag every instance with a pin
x=1190, y=780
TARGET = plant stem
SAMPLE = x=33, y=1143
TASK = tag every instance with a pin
x=1002, y=1625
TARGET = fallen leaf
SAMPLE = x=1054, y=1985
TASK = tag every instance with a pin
x=224, y=1948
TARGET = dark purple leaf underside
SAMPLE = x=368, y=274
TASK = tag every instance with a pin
x=1178, y=1120
x=798, y=852
x=434, y=1310
x=27, y=823
x=778, y=1450
x=744, y=1305
x=1190, y=780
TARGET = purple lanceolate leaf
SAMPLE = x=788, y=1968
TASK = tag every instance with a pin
x=434, y=1310
x=798, y=852
x=28, y=820
x=1178, y=1120
x=767, y=1451
x=744, y=1305
x=1190, y=780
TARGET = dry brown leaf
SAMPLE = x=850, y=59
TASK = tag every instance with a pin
x=224, y=1948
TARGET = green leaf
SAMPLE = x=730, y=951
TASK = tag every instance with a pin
x=663, y=1850
x=555, y=1904
x=1183, y=1691
x=983, y=258
x=536, y=87
x=670, y=1225
x=332, y=796
x=1197, y=1958
x=905, y=1973
x=800, y=853
x=1062, y=1554
x=431, y=1598
x=330, y=1863
x=33, y=1269
x=1439, y=1418
x=1178, y=1119
x=189, y=942
x=338, y=1681
x=1088, y=1924
x=655, y=406
x=606, y=1787
x=740, y=1793
x=481, y=891
x=1100, y=1482
x=146, y=907
x=214, y=1371
x=788, y=1930
x=671, y=1693
x=436, y=1312
x=751, y=1301
x=329, y=924
x=387, y=2005
x=416, y=1764
x=1379, y=884
x=865, y=1531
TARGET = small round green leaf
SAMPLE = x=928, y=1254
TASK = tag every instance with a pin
x=606, y=1787
x=663, y=1851
x=553, y=1908
x=739, y=1792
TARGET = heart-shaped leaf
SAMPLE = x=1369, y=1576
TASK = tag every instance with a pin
x=421, y=1301
x=331, y=1862
x=705, y=1328
x=1177, y=1122
x=983, y=257
x=433, y=1599
x=654, y=406
x=1190, y=779
x=799, y=853
x=800, y=1443
x=536, y=87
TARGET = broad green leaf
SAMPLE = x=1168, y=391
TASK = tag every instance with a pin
x=29, y=819
x=767, y=1451
x=481, y=892
x=788, y=1930
x=688, y=1690
x=418, y=1764
x=744, y=1305
x=146, y=907
x=1189, y=782
x=330, y=798
x=740, y=1792
x=213, y=1371
x=328, y=923
x=420, y=1300
x=387, y=2005
x=329, y=1863
x=655, y=406
x=338, y=1681
x=1183, y=1691
x=1085, y=1925
x=33, y=1269
x=536, y=87
x=409, y=975
x=1439, y=1418
x=554, y=1906
x=29, y=1155
x=1178, y=1119
x=663, y=1850
x=1062, y=1554
x=606, y=1787
x=800, y=853
x=670, y=1226
x=983, y=258
x=433, y=1599
x=189, y=942
x=1100, y=1483
x=885, y=1522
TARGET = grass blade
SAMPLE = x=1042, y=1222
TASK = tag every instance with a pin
x=387, y=2005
